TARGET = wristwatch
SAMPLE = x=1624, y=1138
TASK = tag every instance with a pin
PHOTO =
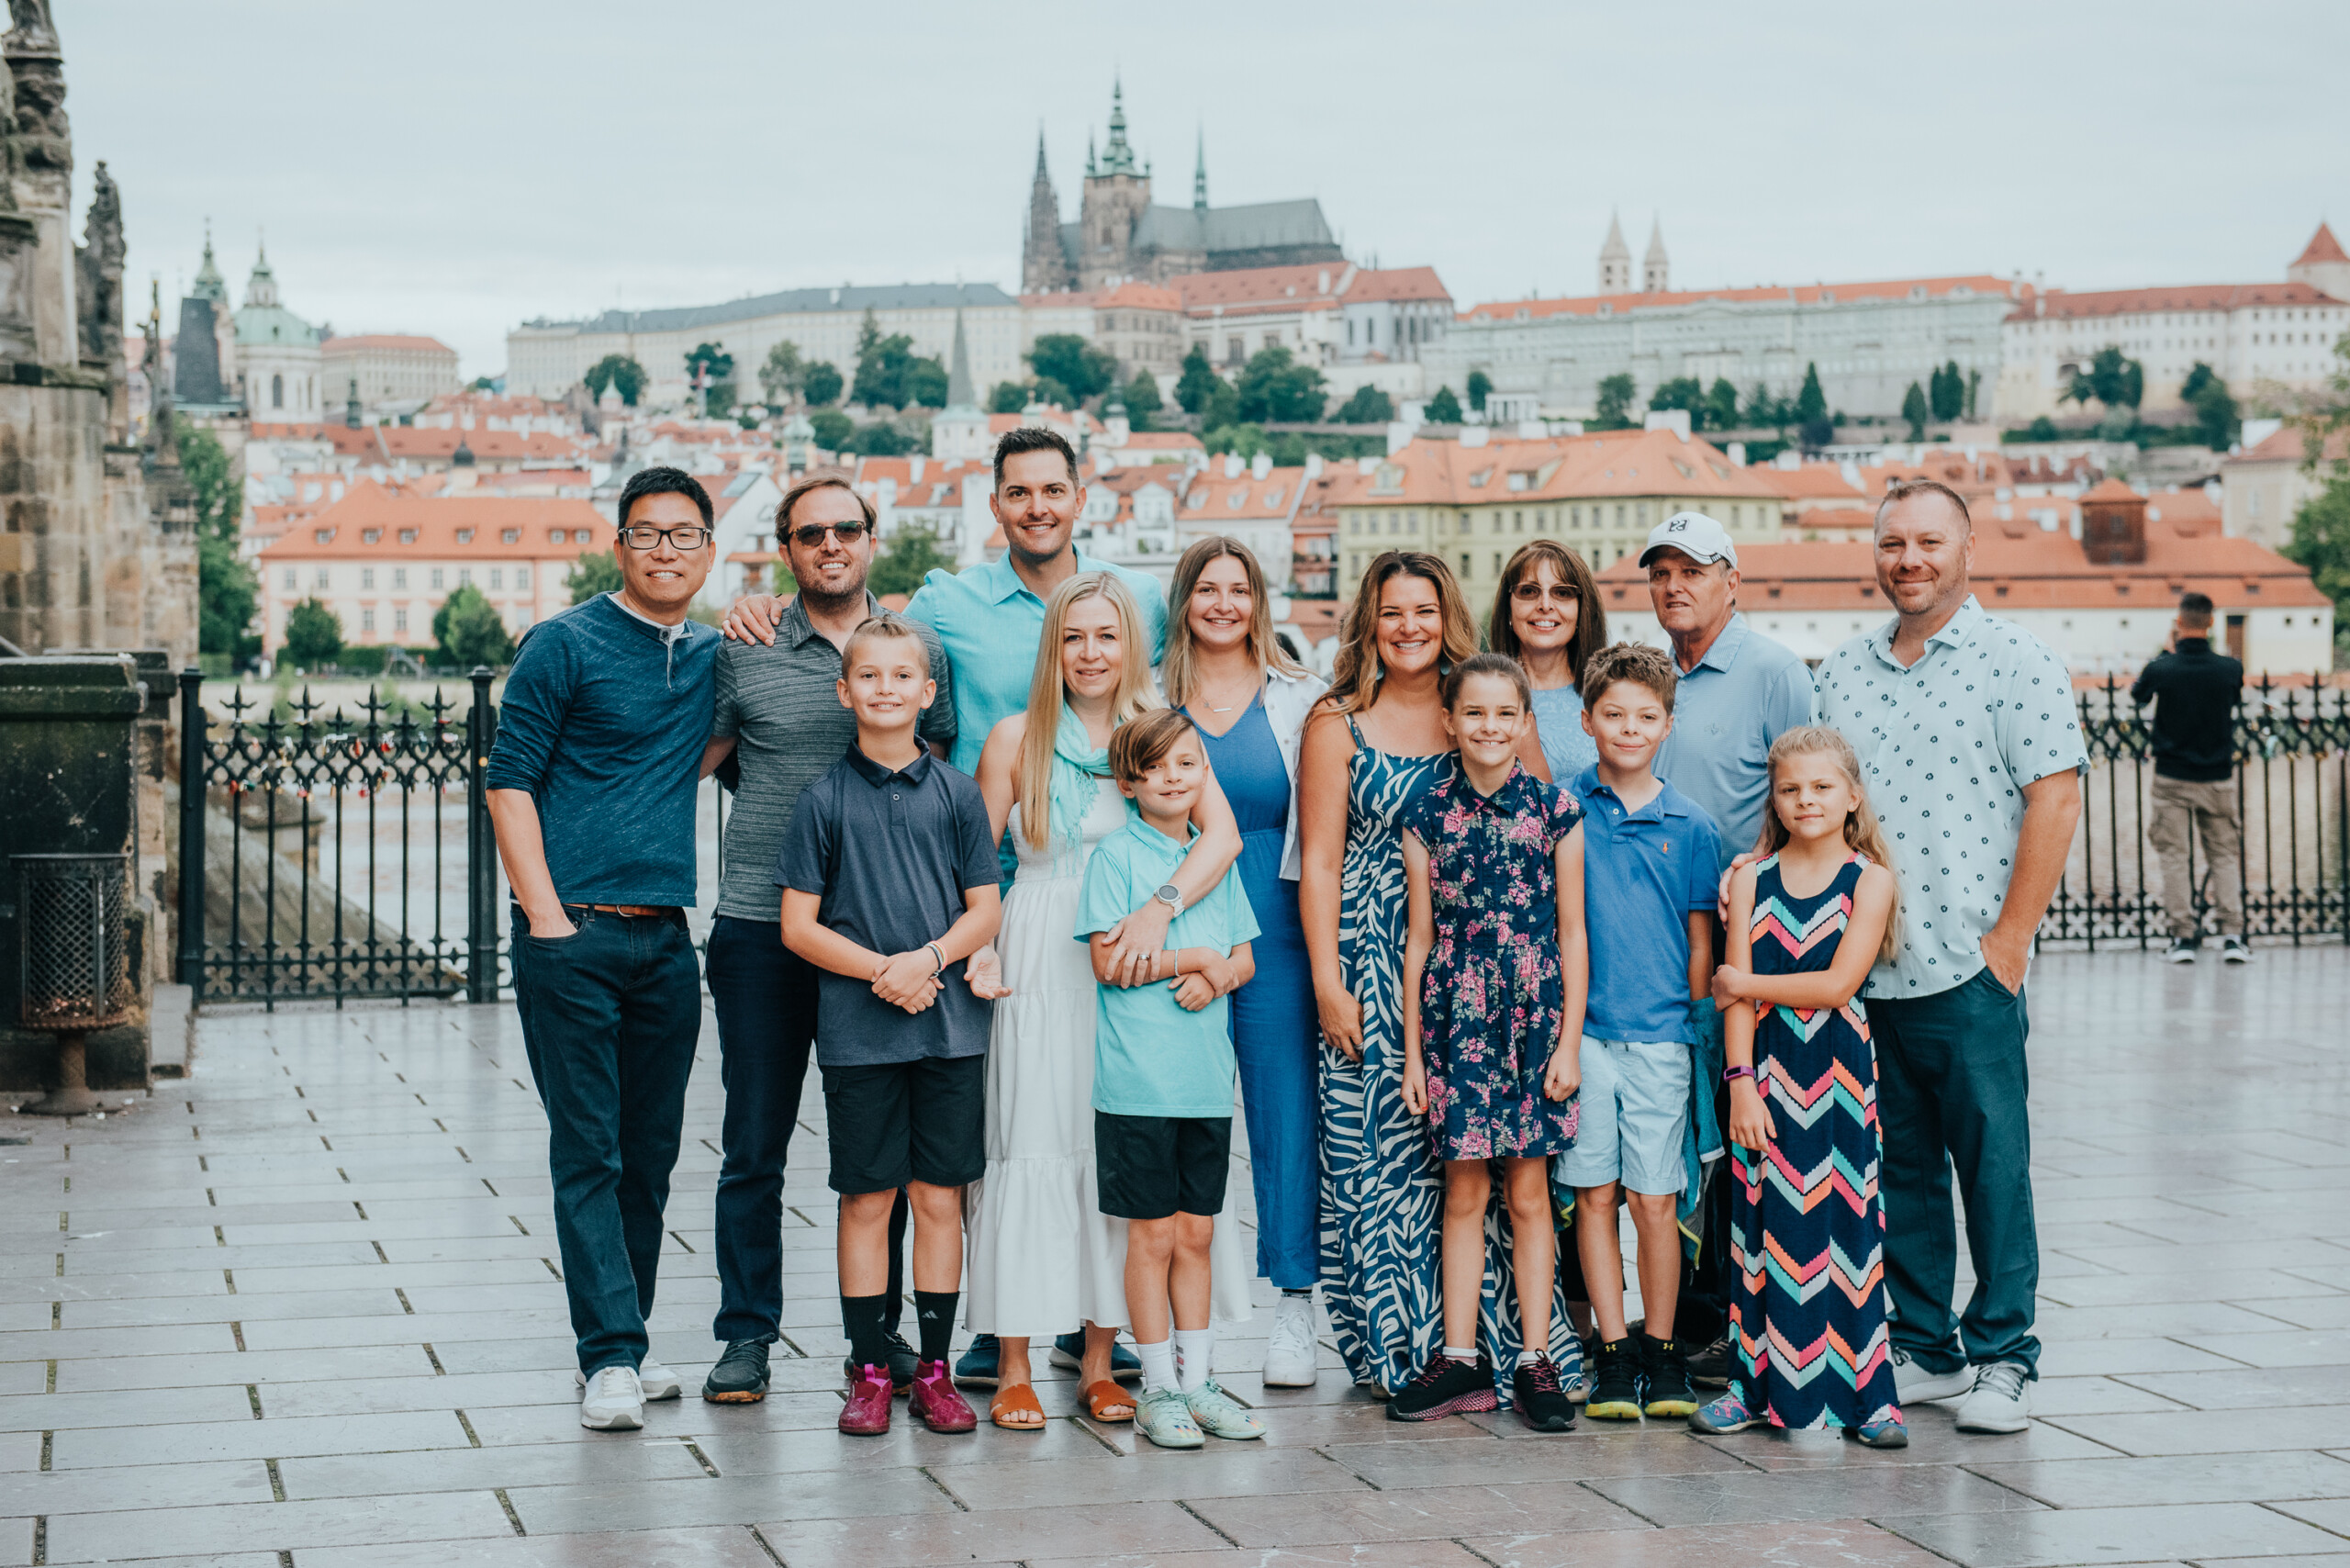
x=1172, y=898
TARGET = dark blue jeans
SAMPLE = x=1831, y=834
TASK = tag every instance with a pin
x=1951, y=1083
x=766, y=998
x=609, y=1016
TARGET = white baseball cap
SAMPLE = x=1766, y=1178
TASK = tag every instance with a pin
x=1692, y=533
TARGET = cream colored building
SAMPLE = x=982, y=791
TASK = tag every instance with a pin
x=387, y=367
x=2263, y=485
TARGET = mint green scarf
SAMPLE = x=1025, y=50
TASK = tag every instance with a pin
x=1079, y=766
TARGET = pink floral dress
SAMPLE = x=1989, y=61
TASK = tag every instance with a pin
x=1491, y=992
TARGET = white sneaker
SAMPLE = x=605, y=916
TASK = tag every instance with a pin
x=615, y=1401
x=1916, y=1385
x=1290, y=1350
x=2000, y=1402
x=659, y=1382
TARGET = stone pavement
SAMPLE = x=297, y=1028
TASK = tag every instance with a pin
x=300, y=1310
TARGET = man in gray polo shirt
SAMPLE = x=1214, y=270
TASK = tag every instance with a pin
x=778, y=710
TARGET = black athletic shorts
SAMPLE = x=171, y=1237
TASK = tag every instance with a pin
x=1151, y=1167
x=907, y=1121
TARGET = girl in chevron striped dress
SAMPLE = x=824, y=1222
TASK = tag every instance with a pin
x=1806, y=923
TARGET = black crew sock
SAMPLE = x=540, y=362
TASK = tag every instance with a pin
x=934, y=1317
x=1308, y=1291
x=868, y=1342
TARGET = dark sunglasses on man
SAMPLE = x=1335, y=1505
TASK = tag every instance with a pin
x=807, y=535
x=644, y=536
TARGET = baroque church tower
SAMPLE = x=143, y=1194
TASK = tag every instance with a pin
x=1656, y=272
x=1615, y=259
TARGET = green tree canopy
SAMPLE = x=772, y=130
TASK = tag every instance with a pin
x=1682, y=392
x=468, y=631
x=2322, y=542
x=1946, y=392
x=1141, y=398
x=1275, y=386
x=1761, y=409
x=1197, y=382
x=1008, y=398
x=780, y=373
x=1721, y=405
x=595, y=572
x=1811, y=403
x=1480, y=386
x=886, y=369
x=1615, y=408
x=2112, y=378
x=616, y=370
x=226, y=590
x=927, y=384
x=2214, y=405
x=313, y=634
x=1915, y=409
x=2041, y=428
x=1223, y=407
x=1367, y=406
x=910, y=557
x=1241, y=437
x=709, y=358
x=833, y=427
x=820, y=384
x=1444, y=408
x=1082, y=367
x=882, y=438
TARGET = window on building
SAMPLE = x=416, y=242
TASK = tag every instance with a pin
x=436, y=577
x=521, y=577
x=289, y=571
x=1465, y=568
x=277, y=391
x=367, y=618
x=464, y=577
x=399, y=619
x=557, y=535
x=371, y=536
x=408, y=535
x=464, y=536
x=366, y=576
x=400, y=577
x=321, y=580
x=496, y=577
x=512, y=536
x=323, y=535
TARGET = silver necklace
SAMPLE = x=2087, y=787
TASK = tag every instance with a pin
x=1230, y=706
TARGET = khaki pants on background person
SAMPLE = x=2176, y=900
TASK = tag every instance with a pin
x=2212, y=808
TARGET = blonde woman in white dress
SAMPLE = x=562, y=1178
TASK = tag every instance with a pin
x=1042, y=1256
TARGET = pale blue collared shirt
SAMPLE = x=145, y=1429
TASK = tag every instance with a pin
x=1746, y=692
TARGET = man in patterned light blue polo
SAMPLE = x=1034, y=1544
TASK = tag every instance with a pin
x=1966, y=725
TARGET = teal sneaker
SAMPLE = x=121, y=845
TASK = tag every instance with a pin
x=1165, y=1417
x=1219, y=1416
x=1883, y=1430
x=1724, y=1412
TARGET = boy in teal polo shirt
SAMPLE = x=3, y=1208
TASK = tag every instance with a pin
x=1163, y=1078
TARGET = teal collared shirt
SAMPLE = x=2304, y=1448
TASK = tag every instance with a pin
x=1150, y=1057
x=1948, y=744
x=1745, y=693
x=990, y=622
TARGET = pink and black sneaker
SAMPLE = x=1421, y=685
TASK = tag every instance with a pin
x=1445, y=1387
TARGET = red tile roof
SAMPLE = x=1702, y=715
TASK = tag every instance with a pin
x=1212, y=498
x=2064, y=304
x=2322, y=247
x=395, y=341
x=1308, y=287
x=2290, y=444
x=1814, y=293
x=1616, y=463
x=369, y=506
x=1139, y=297
x=1821, y=483
x=1396, y=283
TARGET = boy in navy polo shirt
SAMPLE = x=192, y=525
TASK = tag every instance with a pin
x=1649, y=897
x=1163, y=1072
x=889, y=877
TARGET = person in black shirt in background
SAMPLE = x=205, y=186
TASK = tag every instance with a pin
x=2195, y=770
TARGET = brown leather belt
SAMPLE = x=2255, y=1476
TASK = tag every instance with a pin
x=641, y=911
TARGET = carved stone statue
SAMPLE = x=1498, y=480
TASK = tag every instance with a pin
x=99, y=261
x=38, y=63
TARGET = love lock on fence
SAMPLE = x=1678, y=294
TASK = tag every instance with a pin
x=74, y=960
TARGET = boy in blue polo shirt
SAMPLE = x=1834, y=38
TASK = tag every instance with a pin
x=1163, y=1075
x=1649, y=897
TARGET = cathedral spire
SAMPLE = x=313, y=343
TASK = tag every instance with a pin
x=1615, y=259
x=210, y=284
x=1117, y=158
x=1200, y=175
x=960, y=392
x=1656, y=271
x=1043, y=267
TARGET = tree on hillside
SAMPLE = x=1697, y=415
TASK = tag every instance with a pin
x=1368, y=405
x=1142, y=399
x=616, y=370
x=1480, y=386
x=927, y=384
x=2322, y=542
x=2214, y=404
x=1763, y=410
x=1444, y=408
x=1682, y=392
x=1198, y=381
x=1915, y=409
x=1007, y=397
x=910, y=557
x=313, y=634
x=780, y=373
x=1615, y=408
x=1275, y=386
x=2112, y=378
x=882, y=438
x=1811, y=403
x=595, y=572
x=820, y=384
x=709, y=359
x=226, y=590
x=469, y=633
x=887, y=375
x=833, y=429
x=1721, y=405
x=1084, y=369
x=1222, y=408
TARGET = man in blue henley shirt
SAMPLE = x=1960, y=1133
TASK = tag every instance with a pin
x=591, y=790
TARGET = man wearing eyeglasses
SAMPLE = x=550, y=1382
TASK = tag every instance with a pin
x=591, y=790
x=779, y=712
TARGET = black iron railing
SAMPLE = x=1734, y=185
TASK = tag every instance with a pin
x=2293, y=795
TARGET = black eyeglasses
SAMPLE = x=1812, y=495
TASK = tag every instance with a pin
x=644, y=536
x=811, y=535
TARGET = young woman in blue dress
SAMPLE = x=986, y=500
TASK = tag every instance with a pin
x=1547, y=616
x=1249, y=700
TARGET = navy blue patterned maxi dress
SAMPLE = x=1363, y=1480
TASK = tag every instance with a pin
x=1382, y=1186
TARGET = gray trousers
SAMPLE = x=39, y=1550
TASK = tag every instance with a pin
x=2173, y=802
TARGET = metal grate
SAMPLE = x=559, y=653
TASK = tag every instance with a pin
x=73, y=940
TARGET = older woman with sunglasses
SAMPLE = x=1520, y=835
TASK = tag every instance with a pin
x=1547, y=616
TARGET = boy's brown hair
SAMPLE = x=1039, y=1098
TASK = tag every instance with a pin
x=1142, y=741
x=891, y=625
x=1635, y=662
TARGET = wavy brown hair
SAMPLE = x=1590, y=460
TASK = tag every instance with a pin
x=1175, y=668
x=1355, y=674
x=1862, y=831
x=1591, y=620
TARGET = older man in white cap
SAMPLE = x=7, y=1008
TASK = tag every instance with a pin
x=1740, y=692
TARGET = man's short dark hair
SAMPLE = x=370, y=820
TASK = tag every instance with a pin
x=1907, y=489
x=663, y=482
x=2195, y=609
x=1033, y=438
x=804, y=487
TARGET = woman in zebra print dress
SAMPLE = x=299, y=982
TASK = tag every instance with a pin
x=1372, y=749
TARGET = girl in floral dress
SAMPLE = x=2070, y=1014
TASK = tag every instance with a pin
x=1495, y=975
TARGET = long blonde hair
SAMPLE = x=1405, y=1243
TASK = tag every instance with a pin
x=1135, y=693
x=1354, y=674
x=1861, y=831
x=1175, y=670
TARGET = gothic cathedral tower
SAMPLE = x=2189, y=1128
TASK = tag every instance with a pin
x=1117, y=194
x=1044, y=266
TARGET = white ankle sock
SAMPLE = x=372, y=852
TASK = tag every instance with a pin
x=1530, y=1357
x=1198, y=1347
x=1462, y=1353
x=1157, y=1365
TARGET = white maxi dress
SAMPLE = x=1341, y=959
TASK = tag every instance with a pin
x=1044, y=1258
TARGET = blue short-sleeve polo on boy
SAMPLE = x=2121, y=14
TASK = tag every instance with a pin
x=1152, y=1057
x=1643, y=872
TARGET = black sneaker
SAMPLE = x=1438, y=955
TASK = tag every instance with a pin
x=2182, y=951
x=1541, y=1399
x=1668, y=1379
x=1614, y=1383
x=1709, y=1368
x=903, y=1362
x=741, y=1375
x=1445, y=1387
x=2234, y=951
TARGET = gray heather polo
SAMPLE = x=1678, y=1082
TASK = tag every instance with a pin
x=889, y=855
x=782, y=707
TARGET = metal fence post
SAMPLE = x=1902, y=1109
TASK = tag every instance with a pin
x=481, y=848
x=190, y=968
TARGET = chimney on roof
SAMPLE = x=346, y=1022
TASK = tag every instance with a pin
x=2113, y=528
x=1261, y=465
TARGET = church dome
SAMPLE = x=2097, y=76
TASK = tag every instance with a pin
x=264, y=323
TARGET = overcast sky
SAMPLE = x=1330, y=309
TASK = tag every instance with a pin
x=458, y=168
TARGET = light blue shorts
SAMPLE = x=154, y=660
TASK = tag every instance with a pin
x=1635, y=1116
